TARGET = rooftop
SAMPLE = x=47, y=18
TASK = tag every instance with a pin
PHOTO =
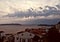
x=58, y=22
x=1, y=31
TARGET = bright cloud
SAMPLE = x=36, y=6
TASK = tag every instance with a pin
x=28, y=10
x=10, y=5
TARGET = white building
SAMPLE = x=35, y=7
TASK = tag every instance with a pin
x=58, y=26
x=24, y=37
x=2, y=34
x=9, y=38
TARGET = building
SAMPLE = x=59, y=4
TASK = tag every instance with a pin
x=2, y=36
x=58, y=25
x=24, y=37
x=40, y=34
x=9, y=38
x=53, y=34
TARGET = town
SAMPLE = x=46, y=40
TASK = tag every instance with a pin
x=33, y=35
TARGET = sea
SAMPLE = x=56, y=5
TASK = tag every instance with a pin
x=18, y=28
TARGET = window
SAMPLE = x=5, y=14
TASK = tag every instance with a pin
x=22, y=34
x=29, y=40
x=20, y=39
x=17, y=38
x=30, y=34
x=23, y=40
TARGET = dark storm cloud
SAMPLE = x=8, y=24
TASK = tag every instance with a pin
x=49, y=15
x=30, y=12
x=58, y=6
x=51, y=10
x=43, y=21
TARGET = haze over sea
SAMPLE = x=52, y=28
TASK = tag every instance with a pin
x=15, y=28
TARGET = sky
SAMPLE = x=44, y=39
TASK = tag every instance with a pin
x=30, y=11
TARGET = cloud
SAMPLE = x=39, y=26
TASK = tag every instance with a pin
x=58, y=6
x=23, y=5
x=48, y=11
x=29, y=11
x=30, y=16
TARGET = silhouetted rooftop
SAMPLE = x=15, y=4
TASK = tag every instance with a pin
x=20, y=32
x=1, y=31
x=58, y=22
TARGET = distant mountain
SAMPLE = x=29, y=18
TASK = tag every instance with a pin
x=44, y=25
x=10, y=24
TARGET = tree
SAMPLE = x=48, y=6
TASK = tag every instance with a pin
x=53, y=35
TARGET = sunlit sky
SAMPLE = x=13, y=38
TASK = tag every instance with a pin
x=29, y=11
